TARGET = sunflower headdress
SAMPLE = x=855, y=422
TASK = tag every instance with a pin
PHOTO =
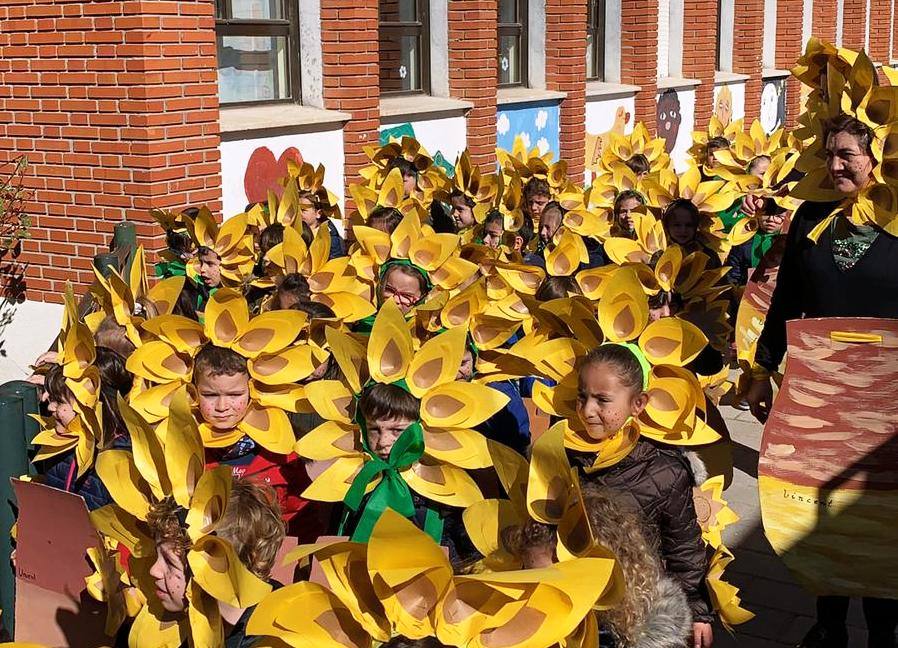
x=525, y=165
x=430, y=456
x=333, y=282
x=748, y=146
x=857, y=95
x=700, y=139
x=229, y=241
x=621, y=148
x=274, y=363
x=171, y=469
x=127, y=300
x=282, y=208
x=432, y=182
x=388, y=194
x=76, y=354
x=401, y=583
x=310, y=181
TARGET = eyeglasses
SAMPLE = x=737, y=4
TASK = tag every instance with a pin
x=402, y=298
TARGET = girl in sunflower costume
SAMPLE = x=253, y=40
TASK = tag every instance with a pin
x=196, y=563
x=399, y=433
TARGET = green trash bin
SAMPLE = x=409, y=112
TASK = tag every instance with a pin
x=13, y=463
x=30, y=395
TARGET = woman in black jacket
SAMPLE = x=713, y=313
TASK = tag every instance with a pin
x=851, y=271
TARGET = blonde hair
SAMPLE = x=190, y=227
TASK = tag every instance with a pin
x=621, y=529
x=251, y=523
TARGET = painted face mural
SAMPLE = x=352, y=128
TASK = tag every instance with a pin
x=669, y=118
x=772, y=107
x=723, y=107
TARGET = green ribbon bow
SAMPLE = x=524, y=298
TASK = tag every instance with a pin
x=392, y=491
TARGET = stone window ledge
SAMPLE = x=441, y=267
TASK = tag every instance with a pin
x=398, y=109
x=665, y=83
x=293, y=118
x=723, y=78
x=602, y=90
x=512, y=96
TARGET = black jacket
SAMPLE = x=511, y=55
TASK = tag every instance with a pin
x=810, y=284
x=658, y=481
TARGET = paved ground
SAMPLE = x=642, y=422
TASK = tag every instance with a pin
x=783, y=610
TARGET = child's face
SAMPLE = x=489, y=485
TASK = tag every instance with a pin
x=710, y=159
x=170, y=579
x=466, y=370
x=383, y=433
x=492, y=234
x=537, y=557
x=210, y=269
x=62, y=412
x=604, y=402
x=402, y=288
x=309, y=215
x=536, y=204
x=549, y=224
x=409, y=184
x=462, y=215
x=223, y=399
x=625, y=214
x=681, y=228
x=770, y=223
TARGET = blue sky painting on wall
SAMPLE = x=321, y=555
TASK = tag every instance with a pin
x=536, y=123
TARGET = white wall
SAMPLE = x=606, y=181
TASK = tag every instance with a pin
x=324, y=147
x=33, y=327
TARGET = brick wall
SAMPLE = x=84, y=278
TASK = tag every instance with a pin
x=699, y=53
x=854, y=18
x=639, y=55
x=789, y=18
x=349, y=48
x=115, y=104
x=748, y=37
x=823, y=22
x=566, y=72
x=880, y=17
x=473, y=49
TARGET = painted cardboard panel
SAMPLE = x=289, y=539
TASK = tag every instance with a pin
x=259, y=161
x=827, y=479
x=676, y=120
x=773, y=104
x=602, y=118
x=537, y=124
x=729, y=102
x=444, y=139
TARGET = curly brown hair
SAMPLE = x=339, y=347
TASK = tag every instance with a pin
x=530, y=535
x=621, y=529
x=251, y=523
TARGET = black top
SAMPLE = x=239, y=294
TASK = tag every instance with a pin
x=810, y=284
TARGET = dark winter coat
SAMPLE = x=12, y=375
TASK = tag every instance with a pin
x=658, y=480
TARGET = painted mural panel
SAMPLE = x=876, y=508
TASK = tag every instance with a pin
x=676, y=120
x=537, y=124
x=773, y=104
x=250, y=166
x=729, y=102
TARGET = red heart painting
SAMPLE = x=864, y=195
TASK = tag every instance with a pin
x=263, y=172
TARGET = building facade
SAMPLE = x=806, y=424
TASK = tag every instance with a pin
x=124, y=106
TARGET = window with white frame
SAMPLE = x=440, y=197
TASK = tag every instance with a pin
x=595, y=41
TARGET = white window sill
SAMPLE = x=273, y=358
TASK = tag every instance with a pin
x=394, y=110
x=723, y=78
x=601, y=90
x=520, y=95
x=676, y=83
x=773, y=73
x=281, y=117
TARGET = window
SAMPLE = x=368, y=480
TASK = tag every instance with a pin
x=258, y=51
x=512, y=42
x=595, y=41
x=404, y=34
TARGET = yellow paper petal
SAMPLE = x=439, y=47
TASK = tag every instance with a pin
x=218, y=570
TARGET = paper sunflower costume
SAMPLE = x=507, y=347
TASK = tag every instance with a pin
x=177, y=238
x=700, y=139
x=172, y=468
x=229, y=241
x=431, y=181
x=389, y=193
x=858, y=95
x=525, y=165
x=429, y=457
x=401, y=583
x=621, y=148
x=76, y=354
x=275, y=364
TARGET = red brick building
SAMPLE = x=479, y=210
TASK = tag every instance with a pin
x=125, y=106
